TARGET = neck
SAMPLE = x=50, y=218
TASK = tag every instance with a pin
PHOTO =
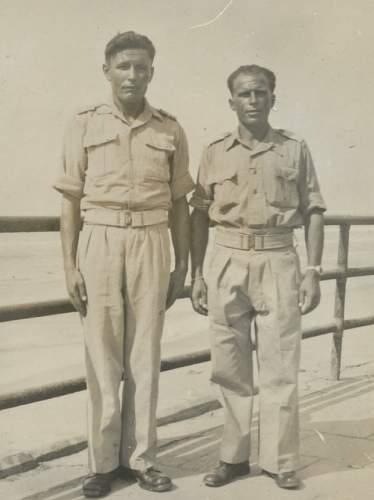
x=130, y=110
x=253, y=133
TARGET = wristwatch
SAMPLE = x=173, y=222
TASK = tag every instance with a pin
x=317, y=269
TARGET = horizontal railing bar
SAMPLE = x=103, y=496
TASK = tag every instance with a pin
x=62, y=306
x=54, y=390
x=352, y=272
x=359, y=220
x=17, y=224
x=35, y=309
x=14, y=224
x=349, y=324
x=48, y=308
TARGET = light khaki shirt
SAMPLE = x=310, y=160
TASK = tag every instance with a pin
x=273, y=184
x=108, y=162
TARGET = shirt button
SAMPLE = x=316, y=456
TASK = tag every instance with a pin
x=255, y=191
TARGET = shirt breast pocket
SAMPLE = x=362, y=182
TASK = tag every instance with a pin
x=102, y=152
x=280, y=185
x=225, y=184
x=157, y=161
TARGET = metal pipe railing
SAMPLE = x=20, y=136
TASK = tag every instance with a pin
x=49, y=391
x=337, y=327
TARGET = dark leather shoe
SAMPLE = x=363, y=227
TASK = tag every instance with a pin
x=288, y=480
x=153, y=480
x=125, y=473
x=225, y=473
x=97, y=485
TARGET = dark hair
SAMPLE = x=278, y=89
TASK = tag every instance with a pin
x=252, y=69
x=129, y=40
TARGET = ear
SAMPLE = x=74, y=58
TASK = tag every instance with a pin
x=152, y=72
x=232, y=104
x=106, y=72
x=273, y=99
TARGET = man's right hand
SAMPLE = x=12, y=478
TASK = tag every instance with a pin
x=199, y=296
x=76, y=290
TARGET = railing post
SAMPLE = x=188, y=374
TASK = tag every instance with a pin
x=341, y=284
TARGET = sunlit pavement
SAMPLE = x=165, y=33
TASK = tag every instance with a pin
x=337, y=445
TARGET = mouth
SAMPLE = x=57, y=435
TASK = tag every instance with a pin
x=129, y=88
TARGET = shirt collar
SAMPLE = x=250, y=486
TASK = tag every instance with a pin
x=144, y=117
x=267, y=142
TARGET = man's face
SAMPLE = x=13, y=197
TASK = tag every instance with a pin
x=252, y=99
x=129, y=73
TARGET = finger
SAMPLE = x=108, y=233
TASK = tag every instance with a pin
x=77, y=303
x=301, y=298
x=200, y=310
x=80, y=292
x=199, y=307
x=314, y=302
x=307, y=305
x=171, y=297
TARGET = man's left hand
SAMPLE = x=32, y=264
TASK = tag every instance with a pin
x=310, y=292
x=176, y=286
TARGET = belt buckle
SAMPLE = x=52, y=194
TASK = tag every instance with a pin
x=259, y=242
x=124, y=218
x=247, y=241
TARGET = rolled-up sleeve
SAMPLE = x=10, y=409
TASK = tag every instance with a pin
x=309, y=190
x=71, y=175
x=203, y=194
x=181, y=181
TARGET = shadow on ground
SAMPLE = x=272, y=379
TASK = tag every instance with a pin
x=327, y=445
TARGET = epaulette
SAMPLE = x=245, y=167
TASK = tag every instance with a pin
x=88, y=108
x=219, y=138
x=289, y=134
x=166, y=114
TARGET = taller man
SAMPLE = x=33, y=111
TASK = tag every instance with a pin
x=256, y=185
x=125, y=171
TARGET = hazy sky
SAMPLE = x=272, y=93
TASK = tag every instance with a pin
x=321, y=51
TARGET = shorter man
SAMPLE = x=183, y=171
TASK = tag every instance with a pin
x=256, y=185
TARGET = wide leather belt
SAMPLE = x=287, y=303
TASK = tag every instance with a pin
x=125, y=218
x=240, y=241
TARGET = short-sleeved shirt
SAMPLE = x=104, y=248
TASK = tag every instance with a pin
x=110, y=163
x=273, y=184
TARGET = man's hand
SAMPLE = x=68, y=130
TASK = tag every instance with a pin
x=76, y=290
x=199, y=296
x=176, y=286
x=310, y=292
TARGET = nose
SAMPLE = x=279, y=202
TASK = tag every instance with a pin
x=132, y=73
x=253, y=97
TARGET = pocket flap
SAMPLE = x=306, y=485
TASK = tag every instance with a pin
x=287, y=173
x=227, y=172
x=96, y=138
x=163, y=143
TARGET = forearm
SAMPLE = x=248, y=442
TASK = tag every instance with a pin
x=314, y=238
x=70, y=224
x=199, y=241
x=180, y=233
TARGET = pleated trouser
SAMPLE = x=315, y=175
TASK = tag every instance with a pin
x=126, y=272
x=260, y=288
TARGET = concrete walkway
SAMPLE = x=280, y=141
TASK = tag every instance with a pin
x=337, y=446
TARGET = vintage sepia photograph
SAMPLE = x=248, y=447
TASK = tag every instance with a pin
x=186, y=249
